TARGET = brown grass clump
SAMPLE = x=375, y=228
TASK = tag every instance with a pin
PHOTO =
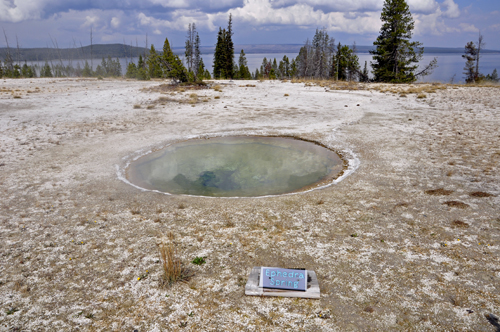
x=137, y=106
x=173, y=270
x=480, y=194
x=456, y=204
x=459, y=224
x=193, y=98
x=439, y=192
x=217, y=88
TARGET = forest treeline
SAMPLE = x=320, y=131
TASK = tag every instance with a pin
x=395, y=58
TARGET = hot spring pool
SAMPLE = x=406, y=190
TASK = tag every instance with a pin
x=238, y=166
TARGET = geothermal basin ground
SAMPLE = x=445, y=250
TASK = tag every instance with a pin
x=408, y=240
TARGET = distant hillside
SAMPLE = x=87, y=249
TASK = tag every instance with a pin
x=98, y=52
x=126, y=51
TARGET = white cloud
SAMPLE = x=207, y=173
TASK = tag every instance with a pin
x=466, y=27
x=423, y=6
x=333, y=5
x=179, y=21
x=19, y=10
x=90, y=20
x=115, y=22
x=452, y=10
x=171, y=3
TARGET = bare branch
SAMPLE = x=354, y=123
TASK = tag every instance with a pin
x=429, y=68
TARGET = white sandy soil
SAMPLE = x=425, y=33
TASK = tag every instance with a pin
x=79, y=246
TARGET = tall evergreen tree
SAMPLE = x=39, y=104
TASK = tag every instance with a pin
x=46, y=70
x=197, y=57
x=304, y=60
x=363, y=77
x=172, y=65
x=346, y=63
x=154, y=65
x=224, y=52
x=470, y=56
x=220, y=55
x=244, y=72
x=396, y=57
x=87, y=71
x=229, y=48
x=493, y=77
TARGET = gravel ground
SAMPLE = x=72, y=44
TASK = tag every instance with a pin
x=407, y=240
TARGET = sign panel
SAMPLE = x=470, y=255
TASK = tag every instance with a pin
x=278, y=278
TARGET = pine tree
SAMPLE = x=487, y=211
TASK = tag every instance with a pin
x=229, y=48
x=172, y=65
x=201, y=70
x=304, y=60
x=224, y=52
x=86, y=72
x=197, y=58
x=46, y=71
x=219, y=55
x=274, y=70
x=154, y=67
x=470, y=55
x=396, y=57
x=493, y=77
x=244, y=72
x=131, y=70
x=364, y=75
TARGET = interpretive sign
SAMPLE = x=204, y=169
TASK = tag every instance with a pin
x=263, y=281
x=278, y=278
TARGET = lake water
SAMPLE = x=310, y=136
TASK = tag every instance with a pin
x=450, y=66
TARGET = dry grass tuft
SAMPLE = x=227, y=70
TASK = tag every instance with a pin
x=480, y=194
x=137, y=106
x=456, y=204
x=459, y=224
x=217, y=88
x=439, y=192
x=173, y=270
x=193, y=98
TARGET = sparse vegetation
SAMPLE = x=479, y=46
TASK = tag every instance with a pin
x=456, y=204
x=439, y=192
x=173, y=269
x=198, y=260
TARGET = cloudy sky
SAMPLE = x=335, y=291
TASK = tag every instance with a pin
x=39, y=23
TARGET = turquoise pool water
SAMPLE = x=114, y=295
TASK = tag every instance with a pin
x=239, y=166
